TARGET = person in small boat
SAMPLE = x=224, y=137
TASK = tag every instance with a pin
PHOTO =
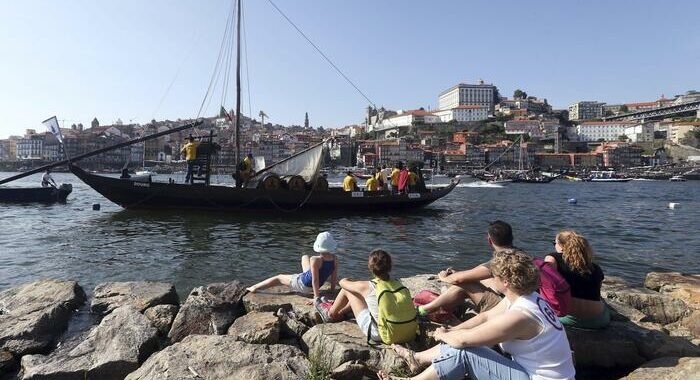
x=522, y=324
x=349, y=182
x=125, y=174
x=386, y=177
x=573, y=259
x=47, y=180
x=373, y=183
x=413, y=179
x=476, y=284
x=316, y=270
x=190, y=152
x=395, y=173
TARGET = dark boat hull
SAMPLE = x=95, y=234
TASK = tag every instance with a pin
x=35, y=194
x=158, y=195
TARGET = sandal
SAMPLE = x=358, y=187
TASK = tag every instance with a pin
x=408, y=355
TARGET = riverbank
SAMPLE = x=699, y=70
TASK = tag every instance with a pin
x=141, y=330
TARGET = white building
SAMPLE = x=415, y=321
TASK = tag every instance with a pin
x=30, y=148
x=406, y=119
x=586, y=110
x=463, y=113
x=481, y=94
x=678, y=130
x=640, y=132
x=605, y=130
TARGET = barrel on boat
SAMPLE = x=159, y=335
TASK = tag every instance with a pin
x=269, y=181
x=295, y=182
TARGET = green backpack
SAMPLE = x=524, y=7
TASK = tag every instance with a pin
x=397, y=315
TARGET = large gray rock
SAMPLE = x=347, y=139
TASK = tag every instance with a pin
x=7, y=362
x=256, y=327
x=657, y=307
x=161, y=317
x=209, y=309
x=667, y=369
x=111, y=350
x=423, y=282
x=32, y=316
x=223, y=357
x=625, y=345
x=139, y=294
x=684, y=287
x=343, y=342
x=275, y=298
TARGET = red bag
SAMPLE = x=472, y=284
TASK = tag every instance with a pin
x=553, y=287
x=425, y=297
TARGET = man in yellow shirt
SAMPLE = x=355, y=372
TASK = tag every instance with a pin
x=395, y=176
x=413, y=178
x=349, y=183
x=190, y=152
x=372, y=183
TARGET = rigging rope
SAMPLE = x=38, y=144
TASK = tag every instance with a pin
x=214, y=75
x=247, y=70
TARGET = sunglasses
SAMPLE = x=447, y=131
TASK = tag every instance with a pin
x=554, y=242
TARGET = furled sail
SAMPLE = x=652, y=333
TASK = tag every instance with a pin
x=305, y=164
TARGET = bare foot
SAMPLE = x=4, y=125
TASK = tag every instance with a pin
x=408, y=356
x=250, y=289
x=385, y=376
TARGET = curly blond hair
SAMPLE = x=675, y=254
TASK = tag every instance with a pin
x=576, y=251
x=516, y=268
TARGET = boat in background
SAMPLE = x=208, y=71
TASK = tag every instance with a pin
x=607, y=176
x=677, y=178
x=48, y=194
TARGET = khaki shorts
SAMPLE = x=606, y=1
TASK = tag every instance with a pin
x=488, y=301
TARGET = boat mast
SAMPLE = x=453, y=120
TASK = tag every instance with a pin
x=238, y=85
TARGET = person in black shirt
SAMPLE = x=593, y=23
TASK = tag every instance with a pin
x=573, y=259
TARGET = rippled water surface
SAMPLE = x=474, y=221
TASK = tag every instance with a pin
x=630, y=226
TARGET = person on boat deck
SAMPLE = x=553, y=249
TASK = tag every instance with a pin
x=382, y=178
x=360, y=297
x=413, y=179
x=190, y=152
x=47, y=180
x=373, y=182
x=349, y=182
x=248, y=167
x=477, y=283
x=125, y=174
x=316, y=270
x=574, y=261
x=521, y=324
x=386, y=177
x=404, y=177
x=395, y=173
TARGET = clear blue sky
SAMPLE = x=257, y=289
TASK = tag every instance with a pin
x=109, y=59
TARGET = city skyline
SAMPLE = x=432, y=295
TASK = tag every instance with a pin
x=138, y=62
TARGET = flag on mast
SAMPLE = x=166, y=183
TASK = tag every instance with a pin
x=52, y=125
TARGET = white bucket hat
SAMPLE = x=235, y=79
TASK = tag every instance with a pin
x=325, y=243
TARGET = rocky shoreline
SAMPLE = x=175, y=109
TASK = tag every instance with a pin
x=142, y=331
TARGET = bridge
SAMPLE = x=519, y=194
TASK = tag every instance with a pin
x=685, y=109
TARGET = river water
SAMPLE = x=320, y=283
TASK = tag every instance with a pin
x=630, y=226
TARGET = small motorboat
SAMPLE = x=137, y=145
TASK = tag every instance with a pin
x=677, y=178
x=48, y=194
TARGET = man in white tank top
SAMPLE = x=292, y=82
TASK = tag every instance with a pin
x=523, y=324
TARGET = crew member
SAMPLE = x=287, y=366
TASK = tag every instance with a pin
x=46, y=179
x=373, y=184
x=190, y=152
x=349, y=183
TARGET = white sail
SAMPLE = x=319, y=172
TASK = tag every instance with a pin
x=305, y=164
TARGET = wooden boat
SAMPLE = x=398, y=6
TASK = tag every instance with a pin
x=160, y=195
x=35, y=194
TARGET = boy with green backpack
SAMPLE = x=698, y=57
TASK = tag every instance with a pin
x=383, y=307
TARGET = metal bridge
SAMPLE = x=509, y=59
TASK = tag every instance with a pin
x=685, y=109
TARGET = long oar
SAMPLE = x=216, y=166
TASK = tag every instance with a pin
x=100, y=151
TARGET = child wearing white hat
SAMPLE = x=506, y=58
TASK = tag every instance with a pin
x=316, y=270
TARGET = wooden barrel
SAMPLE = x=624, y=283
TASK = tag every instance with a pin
x=269, y=181
x=321, y=184
x=295, y=182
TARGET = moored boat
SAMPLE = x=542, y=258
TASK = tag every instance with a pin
x=48, y=194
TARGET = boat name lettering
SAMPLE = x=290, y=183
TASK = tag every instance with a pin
x=414, y=195
x=358, y=194
x=142, y=184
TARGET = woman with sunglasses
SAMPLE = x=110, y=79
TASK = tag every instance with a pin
x=574, y=261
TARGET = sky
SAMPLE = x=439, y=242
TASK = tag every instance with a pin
x=138, y=60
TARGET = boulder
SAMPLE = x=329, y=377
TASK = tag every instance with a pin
x=657, y=307
x=32, y=316
x=161, y=317
x=7, y=362
x=692, y=323
x=223, y=357
x=292, y=328
x=139, y=294
x=279, y=297
x=625, y=345
x=111, y=350
x=350, y=371
x=667, y=369
x=423, y=281
x=343, y=342
x=209, y=309
x=684, y=287
x=256, y=327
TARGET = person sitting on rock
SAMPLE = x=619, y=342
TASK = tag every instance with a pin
x=522, y=324
x=574, y=261
x=316, y=270
x=374, y=314
x=476, y=284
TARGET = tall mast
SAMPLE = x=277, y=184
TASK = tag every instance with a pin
x=238, y=85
